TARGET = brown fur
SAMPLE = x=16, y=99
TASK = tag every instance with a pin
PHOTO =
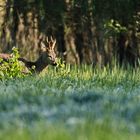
x=47, y=55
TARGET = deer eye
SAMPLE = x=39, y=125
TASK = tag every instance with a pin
x=49, y=56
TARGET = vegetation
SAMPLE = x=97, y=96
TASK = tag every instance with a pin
x=12, y=67
x=87, y=31
x=89, y=132
x=71, y=103
x=93, y=92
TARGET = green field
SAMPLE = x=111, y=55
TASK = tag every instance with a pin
x=73, y=103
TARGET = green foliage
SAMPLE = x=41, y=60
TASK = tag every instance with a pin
x=113, y=27
x=11, y=68
x=60, y=63
x=61, y=68
x=137, y=24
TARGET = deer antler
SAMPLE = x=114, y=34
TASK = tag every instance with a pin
x=47, y=39
x=53, y=41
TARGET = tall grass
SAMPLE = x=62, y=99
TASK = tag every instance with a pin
x=72, y=102
x=99, y=77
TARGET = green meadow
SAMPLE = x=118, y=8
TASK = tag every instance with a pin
x=72, y=103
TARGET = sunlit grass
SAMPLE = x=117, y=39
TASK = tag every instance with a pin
x=99, y=77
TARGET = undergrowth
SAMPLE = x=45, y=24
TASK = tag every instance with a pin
x=69, y=96
x=12, y=68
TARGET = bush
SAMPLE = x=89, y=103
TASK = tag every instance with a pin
x=12, y=68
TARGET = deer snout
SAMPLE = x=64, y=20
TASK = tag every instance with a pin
x=53, y=61
x=54, y=64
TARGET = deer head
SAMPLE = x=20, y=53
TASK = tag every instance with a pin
x=47, y=46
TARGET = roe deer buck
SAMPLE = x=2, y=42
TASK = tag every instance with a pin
x=47, y=55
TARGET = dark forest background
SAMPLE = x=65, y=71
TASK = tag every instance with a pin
x=97, y=32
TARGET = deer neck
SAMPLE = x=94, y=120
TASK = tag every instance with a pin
x=41, y=62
